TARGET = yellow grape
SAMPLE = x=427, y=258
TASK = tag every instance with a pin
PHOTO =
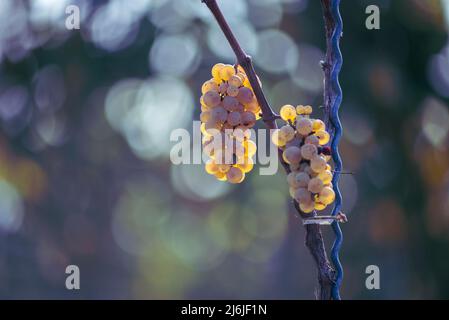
x=291, y=180
x=319, y=206
x=325, y=176
x=209, y=85
x=327, y=195
x=235, y=175
x=211, y=167
x=232, y=91
x=230, y=103
x=235, y=81
x=304, y=126
x=315, y=185
x=234, y=118
x=248, y=119
x=312, y=139
x=292, y=155
x=303, y=179
x=219, y=114
x=205, y=116
x=250, y=147
x=227, y=72
x=318, y=164
x=223, y=167
x=301, y=110
x=287, y=132
x=288, y=113
x=277, y=139
x=308, y=110
x=308, y=151
x=302, y=195
x=211, y=99
x=223, y=88
x=221, y=176
x=245, y=95
x=307, y=207
x=323, y=136
x=216, y=71
x=318, y=125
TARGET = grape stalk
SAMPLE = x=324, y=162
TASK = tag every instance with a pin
x=233, y=100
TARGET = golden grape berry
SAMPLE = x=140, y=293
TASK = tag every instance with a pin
x=327, y=195
x=308, y=151
x=277, y=139
x=323, y=136
x=288, y=113
x=304, y=126
x=235, y=175
x=216, y=69
x=303, y=179
x=318, y=125
x=292, y=155
x=318, y=164
x=211, y=167
x=211, y=99
x=287, y=132
x=227, y=72
x=209, y=85
x=315, y=185
x=308, y=110
x=307, y=207
x=325, y=176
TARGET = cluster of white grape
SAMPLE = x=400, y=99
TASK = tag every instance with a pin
x=302, y=140
x=229, y=109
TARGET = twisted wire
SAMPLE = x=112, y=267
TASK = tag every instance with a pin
x=335, y=121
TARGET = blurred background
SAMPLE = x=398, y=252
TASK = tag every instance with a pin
x=85, y=175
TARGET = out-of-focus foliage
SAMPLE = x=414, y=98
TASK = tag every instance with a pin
x=85, y=176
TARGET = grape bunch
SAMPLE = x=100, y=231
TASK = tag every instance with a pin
x=229, y=109
x=303, y=143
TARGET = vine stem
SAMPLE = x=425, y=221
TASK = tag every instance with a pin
x=314, y=238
